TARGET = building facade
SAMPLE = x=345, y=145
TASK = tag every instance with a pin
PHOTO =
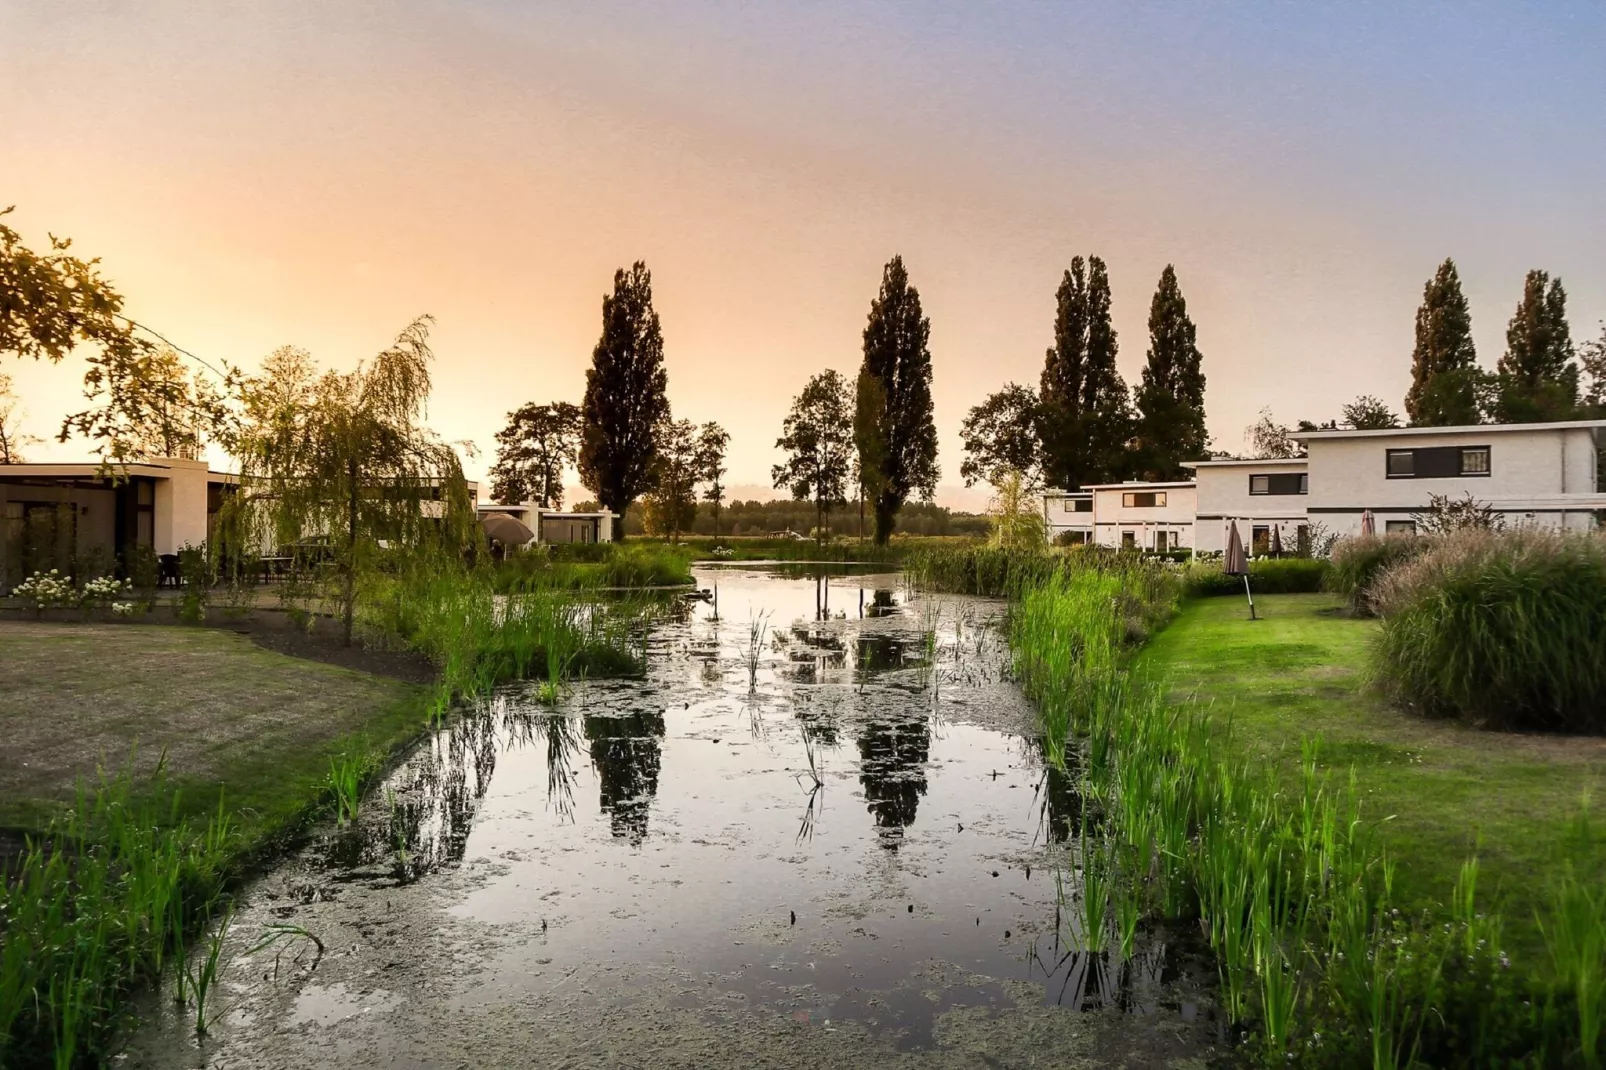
x=1545, y=475
x=1260, y=496
x=1157, y=517
x=1068, y=516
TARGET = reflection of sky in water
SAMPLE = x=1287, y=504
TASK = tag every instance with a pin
x=873, y=783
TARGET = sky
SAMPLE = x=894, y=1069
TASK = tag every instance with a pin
x=312, y=173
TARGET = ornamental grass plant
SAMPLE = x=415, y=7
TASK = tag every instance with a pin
x=1500, y=629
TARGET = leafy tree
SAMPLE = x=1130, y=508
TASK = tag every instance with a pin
x=343, y=459
x=817, y=436
x=1537, y=379
x=626, y=405
x=1268, y=439
x=1016, y=513
x=1170, y=401
x=1367, y=413
x=1592, y=360
x=712, y=442
x=1086, y=420
x=1445, y=515
x=532, y=452
x=676, y=471
x=13, y=440
x=898, y=433
x=51, y=302
x=1000, y=436
x=155, y=406
x=1444, y=362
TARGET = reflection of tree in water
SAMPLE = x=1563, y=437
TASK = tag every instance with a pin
x=627, y=752
x=882, y=604
x=814, y=652
x=892, y=771
x=879, y=653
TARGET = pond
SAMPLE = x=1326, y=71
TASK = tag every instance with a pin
x=819, y=830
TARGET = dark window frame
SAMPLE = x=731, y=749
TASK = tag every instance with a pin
x=1129, y=499
x=1437, y=468
x=1276, y=479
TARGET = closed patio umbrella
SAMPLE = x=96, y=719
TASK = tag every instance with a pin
x=1276, y=540
x=1237, y=563
x=505, y=529
x=1368, y=525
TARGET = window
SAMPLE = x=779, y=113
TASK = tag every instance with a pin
x=1399, y=527
x=1280, y=483
x=1160, y=542
x=1078, y=505
x=1260, y=540
x=1438, y=462
x=1149, y=499
x=1129, y=540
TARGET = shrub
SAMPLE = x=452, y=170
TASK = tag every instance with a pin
x=1360, y=560
x=1502, y=630
x=1267, y=575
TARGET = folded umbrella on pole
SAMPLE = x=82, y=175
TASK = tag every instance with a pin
x=1237, y=563
x=1368, y=525
x=1276, y=540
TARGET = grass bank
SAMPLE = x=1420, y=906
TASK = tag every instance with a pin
x=1328, y=955
x=898, y=548
x=108, y=875
x=1441, y=791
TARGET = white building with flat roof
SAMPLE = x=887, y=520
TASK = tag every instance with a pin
x=1258, y=495
x=1068, y=516
x=1539, y=474
x=1144, y=516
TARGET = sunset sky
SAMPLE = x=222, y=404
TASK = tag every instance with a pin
x=254, y=174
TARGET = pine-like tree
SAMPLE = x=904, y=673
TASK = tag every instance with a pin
x=1086, y=413
x=1106, y=402
x=1444, y=362
x=626, y=404
x=1537, y=379
x=1171, y=418
x=1060, y=388
x=902, y=433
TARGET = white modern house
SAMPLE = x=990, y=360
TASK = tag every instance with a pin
x=1258, y=495
x=1545, y=475
x=557, y=525
x=1144, y=516
x=1068, y=515
x=53, y=514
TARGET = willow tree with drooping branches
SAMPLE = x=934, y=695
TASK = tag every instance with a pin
x=344, y=458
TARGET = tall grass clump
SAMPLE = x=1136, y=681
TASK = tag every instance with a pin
x=1359, y=561
x=98, y=903
x=580, y=566
x=1500, y=629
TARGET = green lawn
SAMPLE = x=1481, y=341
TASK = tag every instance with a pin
x=1442, y=792
x=258, y=725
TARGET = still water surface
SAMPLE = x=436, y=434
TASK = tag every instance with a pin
x=818, y=830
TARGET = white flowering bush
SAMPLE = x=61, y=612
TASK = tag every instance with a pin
x=123, y=609
x=44, y=590
x=723, y=552
x=105, y=589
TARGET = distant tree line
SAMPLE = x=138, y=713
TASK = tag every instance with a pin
x=781, y=515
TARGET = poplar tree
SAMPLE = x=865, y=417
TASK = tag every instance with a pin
x=1086, y=408
x=626, y=405
x=899, y=431
x=1444, y=362
x=1537, y=379
x=1060, y=388
x=1171, y=417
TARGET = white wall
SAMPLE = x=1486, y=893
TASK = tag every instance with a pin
x=180, y=513
x=1176, y=517
x=1058, y=520
x=1528, y=471
x=1223, y=494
